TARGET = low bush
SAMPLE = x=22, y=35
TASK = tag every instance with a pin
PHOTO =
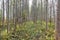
x=30, y=31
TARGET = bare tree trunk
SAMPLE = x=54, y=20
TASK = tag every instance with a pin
x=58, y=22
x=34, y=11
x=7, y=12
x=3, y=13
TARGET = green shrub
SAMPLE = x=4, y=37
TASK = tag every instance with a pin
x=31, y=31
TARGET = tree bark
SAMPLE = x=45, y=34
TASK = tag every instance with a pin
x=58, y=22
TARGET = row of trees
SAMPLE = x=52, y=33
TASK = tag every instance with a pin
x=16, y=12
x=19, y=11
x=22, y=10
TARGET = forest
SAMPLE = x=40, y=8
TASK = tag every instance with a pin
x=27, y=19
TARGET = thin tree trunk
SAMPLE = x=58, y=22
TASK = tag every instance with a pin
x=7, y=12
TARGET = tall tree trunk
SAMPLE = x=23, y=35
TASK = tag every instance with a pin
x=58, y=22
x=34, y=10
x=7, y=12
